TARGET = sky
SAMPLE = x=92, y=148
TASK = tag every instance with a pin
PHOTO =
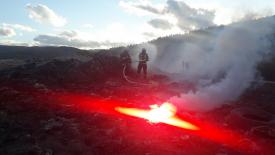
x=90, y=24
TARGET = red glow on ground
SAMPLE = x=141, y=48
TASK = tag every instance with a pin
x=165, y=113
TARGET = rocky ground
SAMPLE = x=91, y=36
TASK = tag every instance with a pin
x=34, y=120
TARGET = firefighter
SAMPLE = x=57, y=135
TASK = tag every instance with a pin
x=126, y=61
x=143, y=58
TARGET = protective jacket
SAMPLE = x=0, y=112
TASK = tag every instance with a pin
x=143, y=58
x=125, y=58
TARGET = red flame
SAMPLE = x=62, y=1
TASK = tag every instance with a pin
x=166, y=113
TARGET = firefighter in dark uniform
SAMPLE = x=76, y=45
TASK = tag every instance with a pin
x=143, y=59
x=126, y=61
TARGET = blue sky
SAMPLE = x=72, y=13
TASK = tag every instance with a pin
x=107, y=23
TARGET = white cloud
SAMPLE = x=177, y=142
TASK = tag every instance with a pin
x=69, y=34
x=192, y=15
x=17, y=43
x=115, y=34
x=160, y=24
x=187, y=18
x=73, y=39
x=19, y=27
x=59, y=40
x=7, y=31
x=42, y=14
x=190, y=18
x=141, y=7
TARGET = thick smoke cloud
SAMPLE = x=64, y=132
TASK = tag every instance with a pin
x=222, y=62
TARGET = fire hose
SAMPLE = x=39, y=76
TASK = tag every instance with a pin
x=130, y=81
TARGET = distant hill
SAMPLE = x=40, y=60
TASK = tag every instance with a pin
x=45, y=53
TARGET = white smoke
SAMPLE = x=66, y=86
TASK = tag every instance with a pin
x=222, y=64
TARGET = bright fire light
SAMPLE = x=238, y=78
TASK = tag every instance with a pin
x=159, y=113
x=166, y=113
